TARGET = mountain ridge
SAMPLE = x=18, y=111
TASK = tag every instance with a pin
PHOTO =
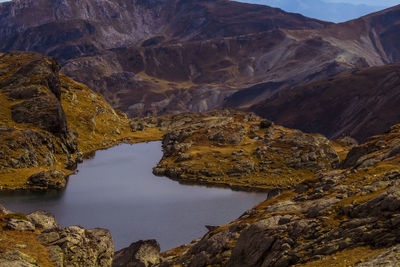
x=208, y=55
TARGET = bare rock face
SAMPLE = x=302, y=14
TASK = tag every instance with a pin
x=76, y=245
x=35, y=131
x=143, y=253
x=366, y=154
x=20, y=225
x=36, y=83
x=43, y=220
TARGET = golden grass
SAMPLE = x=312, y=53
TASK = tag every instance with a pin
x=344, y=258
x=88, y=114
x=12, y=240
x=95, y=121
x=164, y=85
x=219, y=159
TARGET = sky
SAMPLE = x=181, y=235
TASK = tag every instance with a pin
x=328, y=10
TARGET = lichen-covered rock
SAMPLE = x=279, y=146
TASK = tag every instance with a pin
x=48, y=180
x=43, y=220
x=143, y=253
x=69, y=246
x=74, y=244
x=240, y=149
x=20, y=225
x=389, y=257
x=377, y=148
x=16, y=258
x=346, y=216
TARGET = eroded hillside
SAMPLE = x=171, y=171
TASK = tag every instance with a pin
x=358, y=104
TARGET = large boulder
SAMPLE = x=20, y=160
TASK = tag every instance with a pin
x=48, y=180
x=75, y=245
x=43, y=220
x=143, y=253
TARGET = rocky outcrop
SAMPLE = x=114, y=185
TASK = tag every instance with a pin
x=376, y=149
x=37, y=129
x=76, y=245
x=48, y=180
x=48, y=122
x=36, y=83
x=240, y=150
x=70, y=246
x=143, y=253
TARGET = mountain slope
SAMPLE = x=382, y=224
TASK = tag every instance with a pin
x=171, y=56
x=359, y=104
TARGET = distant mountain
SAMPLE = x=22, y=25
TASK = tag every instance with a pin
x=171, y=56
x=358, y=104
x=323, y=10
x=150, y=56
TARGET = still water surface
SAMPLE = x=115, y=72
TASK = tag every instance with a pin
x=117, y=190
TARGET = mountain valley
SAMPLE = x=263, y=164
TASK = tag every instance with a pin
x=242, y=97
x=145, y=63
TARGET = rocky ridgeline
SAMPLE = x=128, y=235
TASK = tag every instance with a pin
x=69, y=246
x=348, y=216
x=237, y=149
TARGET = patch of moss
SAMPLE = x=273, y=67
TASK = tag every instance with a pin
x=344, y=258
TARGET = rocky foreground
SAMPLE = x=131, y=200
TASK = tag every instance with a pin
x=38, y=240
x=345, y=216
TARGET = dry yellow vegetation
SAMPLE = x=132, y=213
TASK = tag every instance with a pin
x=91, y=120
x=231, y=149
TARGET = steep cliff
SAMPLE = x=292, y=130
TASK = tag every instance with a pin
x=48, y=123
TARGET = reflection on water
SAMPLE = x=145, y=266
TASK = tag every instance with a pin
x=117, y=190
